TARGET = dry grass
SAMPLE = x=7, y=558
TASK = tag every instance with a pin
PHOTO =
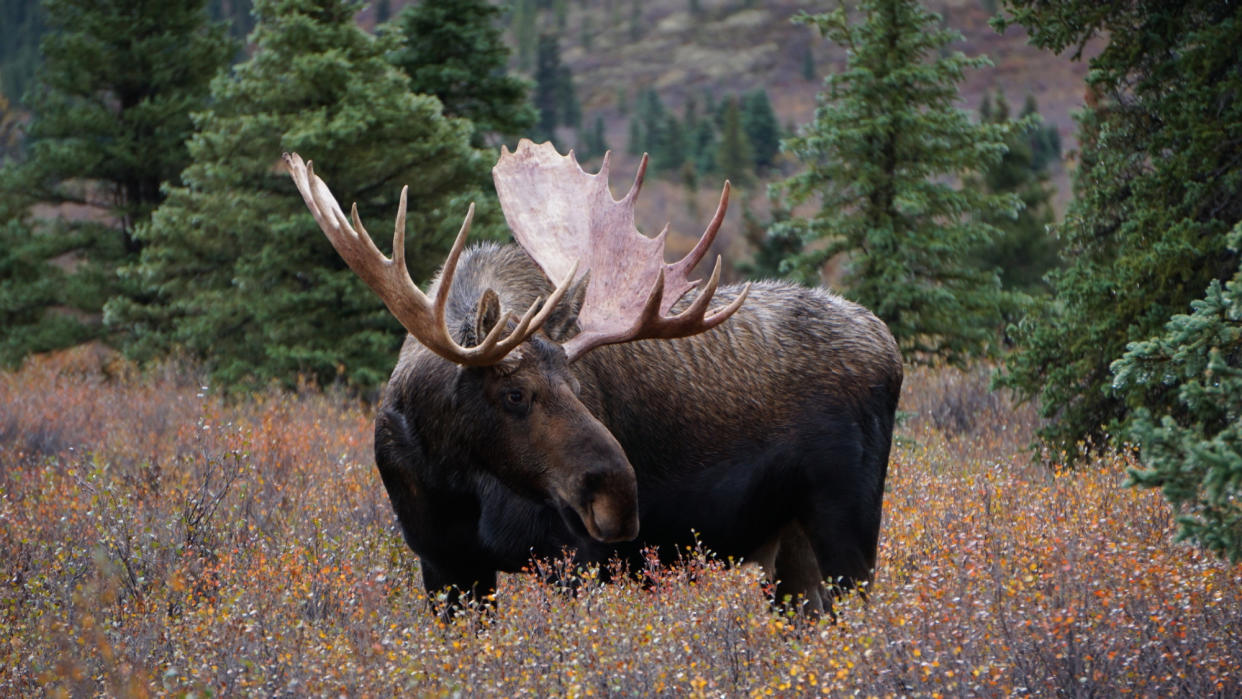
x=161, y=541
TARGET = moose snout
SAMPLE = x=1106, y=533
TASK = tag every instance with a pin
x=608, y=503
x=611, y=523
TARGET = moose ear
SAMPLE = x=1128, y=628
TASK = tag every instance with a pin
x=562, y=322
x=488, y=315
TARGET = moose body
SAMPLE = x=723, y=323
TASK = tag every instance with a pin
x=616, y=413
x=774, y=426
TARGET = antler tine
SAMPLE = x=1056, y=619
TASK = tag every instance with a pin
x=631, y=195
x=705, y=241
x=696, y=312
x=450, y=267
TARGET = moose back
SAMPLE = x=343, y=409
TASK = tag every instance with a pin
x=613, y=411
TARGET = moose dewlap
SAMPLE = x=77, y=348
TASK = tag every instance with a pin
x=576, y=393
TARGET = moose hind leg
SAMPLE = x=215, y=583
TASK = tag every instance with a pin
x=789, y=560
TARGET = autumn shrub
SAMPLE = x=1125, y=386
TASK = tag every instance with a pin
x=159, y=539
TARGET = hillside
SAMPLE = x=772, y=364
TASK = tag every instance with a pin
x=619, y=48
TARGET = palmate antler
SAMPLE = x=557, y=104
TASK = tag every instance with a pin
x=422, y=317
x=561, y=215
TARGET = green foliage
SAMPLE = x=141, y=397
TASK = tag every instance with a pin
x=23, y=27
x=808, y=65
x=593, y=143
x=11, y=118
x=555, y=98
x=774, y=243
x=1044, y=140
x=1194, y=455
x=240, y=275
x=881, y=157
x=1156, y=191
x=523, y=18
x=1024, y=251
x=236, y=13
x=29, y=285
x=452, y=49
x=763, y=131
x=111, y=113
x=734, y=154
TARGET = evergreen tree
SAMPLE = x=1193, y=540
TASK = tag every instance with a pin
x=1024, y=251
x=635, y=140
x=555, y=98
x=775, y=244
x=1194, y=453
x=763, y=131
x=567, y=98
x=22, y=21
x=111, y=112
x=669, y=153
x=881, y=155
x=241, y=275
x=11, y=118
x=654, y=119
x=1044, y=140
x=593, y=143
x=453, y=50
x=701, y=135
x=1158, y=187
x=234, y=13
x=734, y=156
x=525, y=15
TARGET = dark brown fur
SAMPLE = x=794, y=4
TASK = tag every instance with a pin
x=767, y=437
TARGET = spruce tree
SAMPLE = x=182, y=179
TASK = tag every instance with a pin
x=734, y=156
x=22, y=21
x=884, y=157
x=1044, y=140
x=1024, y=251
x=763, y=131
x=452, y=49
x=1194, y=453
x=774, y=244
x=111, y=112
x=593, y=143
x=555, y=102
x=235, y=14
x=1158, y=187
x=653, y=119
x=241, y=275
x=11, y=118
x=635, y=140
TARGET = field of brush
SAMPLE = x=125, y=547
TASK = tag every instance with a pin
x=157, y=539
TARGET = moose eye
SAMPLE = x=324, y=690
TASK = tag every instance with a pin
x=515, y=398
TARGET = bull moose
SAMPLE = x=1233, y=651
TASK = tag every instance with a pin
x=613, y=411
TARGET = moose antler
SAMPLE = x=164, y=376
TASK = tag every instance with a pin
x=422, y=317
x=559, y=213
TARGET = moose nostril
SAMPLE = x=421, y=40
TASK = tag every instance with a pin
x=612, y=525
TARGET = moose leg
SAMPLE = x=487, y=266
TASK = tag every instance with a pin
x=449, y=589
x=789, y=561
x=844, y=543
